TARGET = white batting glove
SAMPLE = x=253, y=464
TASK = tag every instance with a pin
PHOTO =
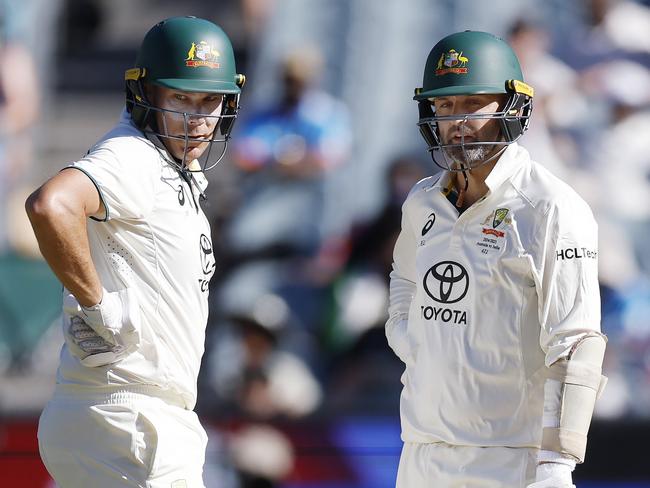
x=104, y=333
x=553, y=475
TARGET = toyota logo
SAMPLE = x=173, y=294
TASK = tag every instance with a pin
x=208, y=262
x=446, y=282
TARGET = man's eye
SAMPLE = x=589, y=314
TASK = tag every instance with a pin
x=178, y=96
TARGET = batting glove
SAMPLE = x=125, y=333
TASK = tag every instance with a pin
x=553, y=475
x=104, y=333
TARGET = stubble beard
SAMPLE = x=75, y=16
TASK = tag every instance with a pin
x=469, y=157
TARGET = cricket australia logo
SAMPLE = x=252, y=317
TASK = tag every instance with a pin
x=498, y=217
x=452, y=62
x=202, y=54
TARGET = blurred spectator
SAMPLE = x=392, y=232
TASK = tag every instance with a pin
x=278, y=240
x=373, y=241
x=262, y=455
x=255, y=15
x=251, y=374
x=621, y=150
x=20, y=101
x=618, y=25
x=609, y=29
x=558, y=102
x=287, y=149
x=364, y=371
x=620, y=156
x=19, y=108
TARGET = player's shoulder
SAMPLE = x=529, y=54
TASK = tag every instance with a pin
x=548, y=193
x=123, y=152
x=419, y=194
x=422, y=186
x=125, y=142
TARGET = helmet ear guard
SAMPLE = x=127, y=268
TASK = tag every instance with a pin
x=518, y=109
x=231, y=107
x=136, y=99
x=426, y=113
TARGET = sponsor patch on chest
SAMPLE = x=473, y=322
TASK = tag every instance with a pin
x=447, y=284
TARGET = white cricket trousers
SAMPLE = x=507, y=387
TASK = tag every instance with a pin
x=109, y=438
x=440, y=465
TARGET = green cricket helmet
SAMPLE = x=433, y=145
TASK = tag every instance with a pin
x=191, y=55
x=470, y=63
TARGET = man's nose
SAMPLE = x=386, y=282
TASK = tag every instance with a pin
x=196, y=118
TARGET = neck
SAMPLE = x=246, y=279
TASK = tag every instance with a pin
x=476, y=188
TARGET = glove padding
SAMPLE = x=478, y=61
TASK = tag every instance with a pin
x=104, y=333
x=552, y=475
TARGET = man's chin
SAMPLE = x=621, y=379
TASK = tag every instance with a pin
x=468, y=157
x=191, y=154
x=471, y=157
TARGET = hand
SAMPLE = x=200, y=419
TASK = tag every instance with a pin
x=552, y=475
x=104, y=333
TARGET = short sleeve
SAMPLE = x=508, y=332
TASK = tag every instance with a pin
x=125, y=179
x=570, y=296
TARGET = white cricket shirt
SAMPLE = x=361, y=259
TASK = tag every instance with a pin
x=155, y=239
x=479, y=302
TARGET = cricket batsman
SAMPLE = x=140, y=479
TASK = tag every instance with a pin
x=494, y=298
x=124, y=231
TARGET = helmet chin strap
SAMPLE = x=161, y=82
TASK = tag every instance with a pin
x=461, y=194
x=183, y=169
x=464, y=168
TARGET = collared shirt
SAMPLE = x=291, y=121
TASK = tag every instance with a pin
x=480, y=301
x=154, y=239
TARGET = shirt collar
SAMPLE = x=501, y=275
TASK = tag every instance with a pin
x=507, y=164
x=199, y=177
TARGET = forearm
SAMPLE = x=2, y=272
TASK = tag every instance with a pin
x=570, y=393
x=60, y=230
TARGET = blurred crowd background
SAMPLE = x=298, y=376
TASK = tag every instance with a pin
x=298, y=387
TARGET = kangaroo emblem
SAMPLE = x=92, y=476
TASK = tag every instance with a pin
x=442, y=58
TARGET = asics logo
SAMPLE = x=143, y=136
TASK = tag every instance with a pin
x=429, y=223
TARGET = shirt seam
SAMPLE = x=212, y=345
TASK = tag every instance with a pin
x=107, y=210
